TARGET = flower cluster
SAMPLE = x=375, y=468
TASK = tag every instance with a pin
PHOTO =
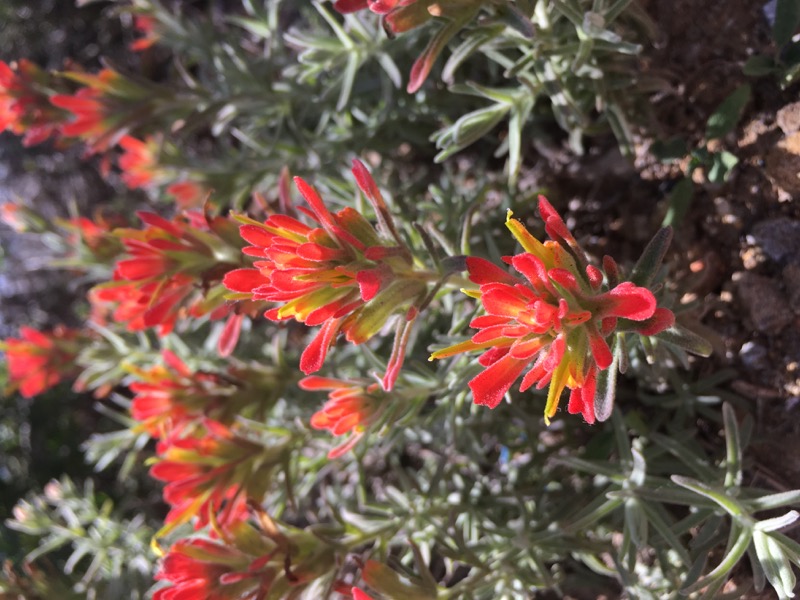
x=352, y=407
x=554, y=321
x=171, y=398
x=267, y=561
x=25, y=107
x=212, y=473
x=37, y=360
x=106, y=107
x=341, y=274
x=145, y=25
x=139, y=163
x=172, y=269
x=400, y=16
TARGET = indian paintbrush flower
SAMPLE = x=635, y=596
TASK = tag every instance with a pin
x=351, y=408
x=246, y=561
x=554, y=322
x=400, y=16
x=145, y=25
x=39, y=360
x=171, y=398
x=110, y=105
x=172, y=269
x=212, y=473
x=341, y=273
x=25, y=107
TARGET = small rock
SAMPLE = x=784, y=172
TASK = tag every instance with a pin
x=782, y=164
x=788, y=118
x=754, y=356
x=767, y=305
x=779, y=238
x=791, y=279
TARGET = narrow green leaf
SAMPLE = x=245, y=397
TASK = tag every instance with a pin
x=737, y=551
x=733, y=446
x=607, y=386
x=730, y=505
x=727, y=115
x=778, y=522
x=649, y=262
x=678, y=202
x=722, y=163
x=775, y=564
x=775, y=500
x=679, y=336
x=759, y=65
x=787, y=19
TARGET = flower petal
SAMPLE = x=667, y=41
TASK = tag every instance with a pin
x=489, y=386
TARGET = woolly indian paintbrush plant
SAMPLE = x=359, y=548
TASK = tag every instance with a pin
x=343, y=275
x=558, y=321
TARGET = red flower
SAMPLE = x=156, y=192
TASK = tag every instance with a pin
x=105, y=108
x=168, y=266
x=188, y=194
x=341, y=275
x=213, y=473
x=25, y=108
x=352, y=407
x=553, y=322
x=138, y=162
x=247, y=563
x=403, y=15
x=145, y=25
x=170, y=398
x=37, y=361
x=360, y=595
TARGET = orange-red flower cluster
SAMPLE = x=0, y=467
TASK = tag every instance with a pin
x=403, y=15
x=351, y=408
x=254, y=563
x=25, y=107
x=141, y=169
x=340, y=274
x=105, y=108
x=37, y=361
x=145, y=25
x=554, y=321
x=171, y=398
x=172, y=269
x=212, y=473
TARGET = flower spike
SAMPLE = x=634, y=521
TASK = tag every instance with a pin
x=556, y=321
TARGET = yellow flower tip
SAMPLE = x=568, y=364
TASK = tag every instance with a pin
x=547, y=420
x=509, y=214
x=156, y=547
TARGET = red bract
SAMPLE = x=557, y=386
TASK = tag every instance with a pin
x=351, y=408
x=403, y=15
x=25, y=107
x=248, y=563
x=37, y=361
x=341, y=275
x=213, y=472
x=104, y=109
x=188, y=194
x=171, y=397
x=553, y=322
x=145, y=25
x=138, y=162
x=169, y=267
